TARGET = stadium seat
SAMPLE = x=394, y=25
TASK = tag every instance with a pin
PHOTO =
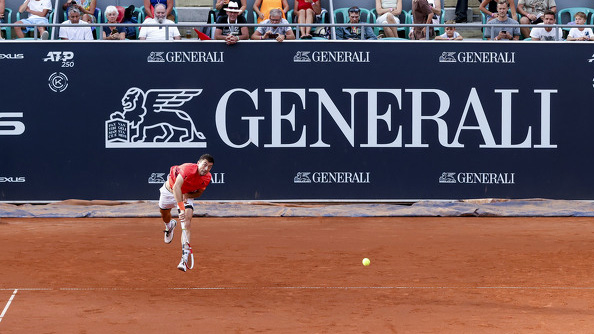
x=7, y=19
x=405, y=18
x=564, y=16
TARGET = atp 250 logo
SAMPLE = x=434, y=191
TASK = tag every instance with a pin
x=64, y=57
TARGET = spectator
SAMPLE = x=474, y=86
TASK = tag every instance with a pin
x=450, y=34
x=491, y=11
x=354, y=32
x=2, y=8
x=422, y=13
x=461, y=11
x=221, y=6
x=74, y=29
x=388, y=12
x=532, y=12
x=149, y=8
x=263, y=7
x=497, y=33
x=581, y=33
x=547, y=34
x=37, y=10
x=90, y=19
x=112, y=32
x=158, y=33
x=272, y=32
x=234, y=31
x=306, y=11
x=84, y=6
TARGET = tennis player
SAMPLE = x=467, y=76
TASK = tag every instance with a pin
x=185, y=182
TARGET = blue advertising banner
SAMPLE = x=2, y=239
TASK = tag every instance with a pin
x=298, y=121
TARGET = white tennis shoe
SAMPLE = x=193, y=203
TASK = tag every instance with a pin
x=182, y=265
x=169, y=231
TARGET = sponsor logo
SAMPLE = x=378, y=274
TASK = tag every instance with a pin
x=11, y=128
x=58, y=82
x=160, y=178
x=591, y=59
x=449, y=126
x=302, y=57
x=64, y=57
x=156, y=178
x=482, y=57
x=12, y=56
x=218, y=178
x=186, y=57
x=302, y=177
x=12, y=179
x=447, y=178
x=478, y=178
x=153, y=119
x=332, y=57
x=332, y=177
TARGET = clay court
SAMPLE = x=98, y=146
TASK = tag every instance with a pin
x=299, y=275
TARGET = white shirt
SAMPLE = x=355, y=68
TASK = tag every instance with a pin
x=157, y=33
x=544, y=35
x=576, y=33
x=80, y=31
x=39, y=6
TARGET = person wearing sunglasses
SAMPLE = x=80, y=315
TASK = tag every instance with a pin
x=356, y=31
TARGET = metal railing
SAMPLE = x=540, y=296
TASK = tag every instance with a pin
x=294, y=25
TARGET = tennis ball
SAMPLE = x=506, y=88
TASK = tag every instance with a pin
x=366, y=262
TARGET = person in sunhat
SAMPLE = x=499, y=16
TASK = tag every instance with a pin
x=234, y=31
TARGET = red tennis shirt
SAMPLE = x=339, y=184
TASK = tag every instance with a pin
x=192, y=178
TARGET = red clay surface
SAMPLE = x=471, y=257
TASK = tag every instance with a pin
x=299, y=275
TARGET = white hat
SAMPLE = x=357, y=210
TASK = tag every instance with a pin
x=233, y=7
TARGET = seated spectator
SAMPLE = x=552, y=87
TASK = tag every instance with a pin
x=388, y=12
x=37, y=10
x=580, y=33
x=267, y=30
x=354, y=32
x=547, y=34
x=263, y=7
x=129, y=17
x=221, y=6
x=158, y=33
x=234, y=31
x=149, y=8
x=305, y=11
x=112, y=32
x=74, y=29
x=90, y=19
x=2, y=7
x=491, y=11
x=422, y=13
x=450, y=34
x=84, y=6
x=502, y=33
x=533, y=11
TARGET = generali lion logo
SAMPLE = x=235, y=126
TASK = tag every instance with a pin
x=153, y=119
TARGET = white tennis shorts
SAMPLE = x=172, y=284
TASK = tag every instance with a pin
x=167, y=200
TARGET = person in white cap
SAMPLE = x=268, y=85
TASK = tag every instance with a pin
x=234, y=31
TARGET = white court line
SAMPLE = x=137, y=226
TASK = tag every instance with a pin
x=308, y=288
x=8, y=304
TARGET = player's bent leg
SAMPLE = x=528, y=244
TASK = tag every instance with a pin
x=170, y=225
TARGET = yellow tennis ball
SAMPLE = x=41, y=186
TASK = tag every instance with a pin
x=366, y=262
